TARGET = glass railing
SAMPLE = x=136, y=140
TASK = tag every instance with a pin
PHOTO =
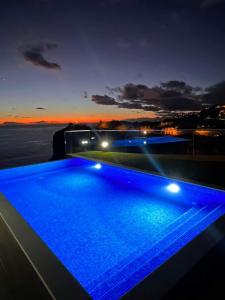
x=197, y=155
x=166, y=141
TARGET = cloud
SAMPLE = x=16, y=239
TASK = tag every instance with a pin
x=11, y=123
x=210, y=3
x=19, y=116
x=169, y=96
x=35, y=55
x=104, y=100
x=215, y=94
x=41, y=108
x=41, y=122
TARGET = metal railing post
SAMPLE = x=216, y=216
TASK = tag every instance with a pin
x=193, y=144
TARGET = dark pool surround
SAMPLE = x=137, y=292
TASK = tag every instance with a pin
x=51, y=276
x=18, y=280
x=31, y=271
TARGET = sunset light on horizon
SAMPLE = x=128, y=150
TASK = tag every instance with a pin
x=68, y=61
x=64, y=118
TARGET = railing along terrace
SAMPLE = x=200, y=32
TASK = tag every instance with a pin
x=160, y=141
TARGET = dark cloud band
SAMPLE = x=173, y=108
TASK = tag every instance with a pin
x=35, y=55
x=104, y=100
x=168, y=96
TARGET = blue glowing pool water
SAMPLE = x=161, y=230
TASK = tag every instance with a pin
x=141, y=141
x=109, y=226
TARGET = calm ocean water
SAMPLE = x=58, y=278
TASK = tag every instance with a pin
x=25, y=145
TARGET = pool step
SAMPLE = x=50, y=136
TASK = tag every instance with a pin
x=150, y=256
x=145, y=266
x=182, y=218
x=147, y=252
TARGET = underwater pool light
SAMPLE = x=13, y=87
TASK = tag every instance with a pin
x=144, y=142
x=105, y=144
x=98, y=166
x=173, y=188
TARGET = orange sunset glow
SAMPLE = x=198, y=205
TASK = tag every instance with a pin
x=70, y=118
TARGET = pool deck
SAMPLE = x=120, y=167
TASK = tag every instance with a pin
x=18, y=280
x=205, y=280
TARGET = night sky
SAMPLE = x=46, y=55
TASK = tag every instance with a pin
x=72, y=60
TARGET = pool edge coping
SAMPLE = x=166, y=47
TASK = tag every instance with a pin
x=157, y=284
x=148, y=172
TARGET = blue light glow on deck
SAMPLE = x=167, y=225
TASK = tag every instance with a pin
x=112, y=228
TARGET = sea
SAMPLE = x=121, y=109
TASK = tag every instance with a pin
x=23, y=145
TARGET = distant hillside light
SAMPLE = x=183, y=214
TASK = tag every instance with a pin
x=105, y=144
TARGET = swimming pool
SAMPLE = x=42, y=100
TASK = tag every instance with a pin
x=142, y=141
x=111, y=227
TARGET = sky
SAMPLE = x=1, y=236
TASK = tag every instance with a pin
x=63, y=61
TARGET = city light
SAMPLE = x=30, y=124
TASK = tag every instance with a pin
x=172, y=131
x=173, y=188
